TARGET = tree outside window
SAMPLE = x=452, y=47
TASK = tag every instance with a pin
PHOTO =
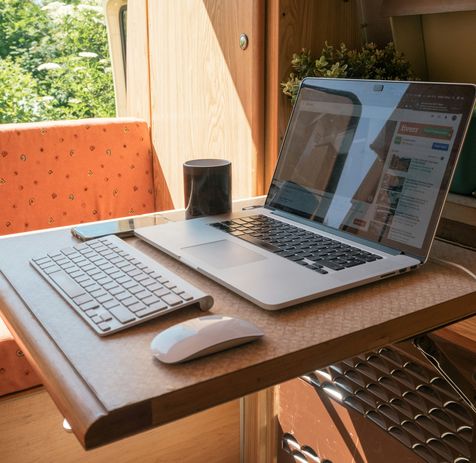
x=54, y=61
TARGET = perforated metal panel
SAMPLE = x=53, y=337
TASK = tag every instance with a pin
x=405, y=397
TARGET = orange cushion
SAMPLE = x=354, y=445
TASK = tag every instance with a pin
x=67, y=172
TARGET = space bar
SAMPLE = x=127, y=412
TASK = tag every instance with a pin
x=262, y=244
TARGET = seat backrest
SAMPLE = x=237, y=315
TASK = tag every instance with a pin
x=68, y=172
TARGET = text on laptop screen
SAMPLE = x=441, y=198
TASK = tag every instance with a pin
x=371, y=159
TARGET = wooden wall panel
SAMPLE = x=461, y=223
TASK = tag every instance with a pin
x=206, y=95
x=138, y=95
x=292, y=26
x=451, y=55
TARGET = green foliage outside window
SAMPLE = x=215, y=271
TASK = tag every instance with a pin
x=54, y=61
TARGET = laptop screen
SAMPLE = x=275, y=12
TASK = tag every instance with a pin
x=372, y=158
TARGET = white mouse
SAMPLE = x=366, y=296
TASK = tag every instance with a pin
x=202, y=336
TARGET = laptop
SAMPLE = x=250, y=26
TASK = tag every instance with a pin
x=358, y=189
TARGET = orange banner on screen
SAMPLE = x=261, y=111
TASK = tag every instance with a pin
x=424, y=130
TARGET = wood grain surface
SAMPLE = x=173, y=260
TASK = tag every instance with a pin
x=418, y=7
x=111, y=387
x=292, y=26
x=206, y=92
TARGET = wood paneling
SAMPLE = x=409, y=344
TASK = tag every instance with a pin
x=138, y=87
x=138, y=94
x=451, y=55
x=408, y=39
x=259, y=426
x=292, y=26
x=206, y=92
x=31, y=431
x=413, y=7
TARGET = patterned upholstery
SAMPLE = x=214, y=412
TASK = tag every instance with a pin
x=67, y=172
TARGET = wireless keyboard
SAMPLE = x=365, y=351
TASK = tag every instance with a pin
x=113, y=286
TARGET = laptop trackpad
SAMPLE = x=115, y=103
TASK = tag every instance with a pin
x=223, y=254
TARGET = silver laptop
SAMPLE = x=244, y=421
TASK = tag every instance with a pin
x=356, y=196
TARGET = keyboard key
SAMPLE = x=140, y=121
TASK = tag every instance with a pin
x=154, y=286
x=150, y=299
x=332, y=265
x=123, y=279
x=122, y=264
x=51, y=269
x=136, y=307
x=129, y=301
x=154, y=308
x=116, y=289
x=143, y=294
x=89, y=306
x=87, y=283
x=123, y=295
x=134, y=272
x=110, y=304
x=41, y=260
x=82, y=299
x=68, y=251
x=122, y=314
x=104, y=326
x=128, y=268
x=103, y=299
x=97, y=293
x=76, y=273
x=136, y=289
x=162, y=292
x=54, y=254
x=81, y=278
x=172, y=299
x=141, y=277
x=186, y=296
x=148, y=282
x=105, y=316
x=106, y=282
x=117, y=274
x=129, y=284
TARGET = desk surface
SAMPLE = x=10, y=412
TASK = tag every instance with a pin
x=111, y=387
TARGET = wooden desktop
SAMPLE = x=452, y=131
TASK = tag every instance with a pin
x=108, y=388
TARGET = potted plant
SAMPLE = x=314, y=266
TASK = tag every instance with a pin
x=370, y=62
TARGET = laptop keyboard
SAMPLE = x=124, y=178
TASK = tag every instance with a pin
x=112, y=286
x=306, y=248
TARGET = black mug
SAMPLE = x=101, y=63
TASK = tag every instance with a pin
x=207, y=187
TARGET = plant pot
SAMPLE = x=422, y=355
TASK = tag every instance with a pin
x=464, y=180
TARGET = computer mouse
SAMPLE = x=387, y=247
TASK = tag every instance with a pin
x=202, y=336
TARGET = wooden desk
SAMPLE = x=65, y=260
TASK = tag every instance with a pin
x=111, y=387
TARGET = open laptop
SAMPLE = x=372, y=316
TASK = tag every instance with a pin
x=359, y=186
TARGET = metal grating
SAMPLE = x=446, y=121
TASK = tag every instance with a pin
x=405, y=397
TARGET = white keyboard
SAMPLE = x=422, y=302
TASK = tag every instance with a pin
x=113, y=286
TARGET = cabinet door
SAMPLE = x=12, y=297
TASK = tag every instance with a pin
x=206, y=91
